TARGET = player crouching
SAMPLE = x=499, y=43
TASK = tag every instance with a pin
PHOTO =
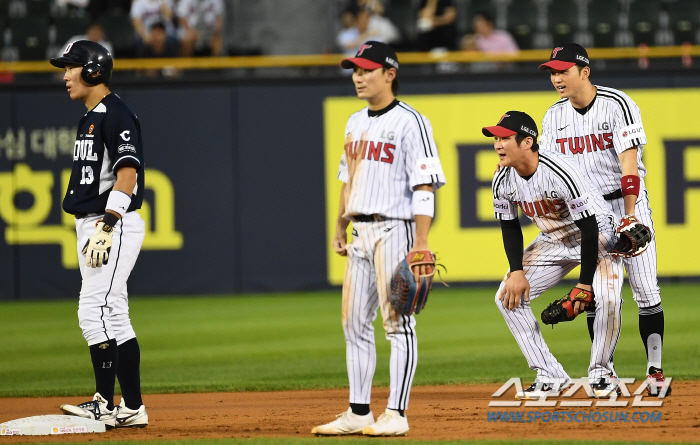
x=577, y=227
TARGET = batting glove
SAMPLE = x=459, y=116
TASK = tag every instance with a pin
x=97, y=247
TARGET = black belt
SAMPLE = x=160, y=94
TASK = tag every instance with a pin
x=85, y=215
x=368, y=218
x=613, y=195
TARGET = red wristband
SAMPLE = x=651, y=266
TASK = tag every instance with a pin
x=630, y=185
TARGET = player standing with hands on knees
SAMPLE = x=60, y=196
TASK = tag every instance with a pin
x=390, y=169
x=106, y=186
x=577, y=227
x=601, y=128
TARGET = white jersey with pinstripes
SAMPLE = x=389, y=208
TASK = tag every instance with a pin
x=610, y=125
x=384, y=158
x=554, y=197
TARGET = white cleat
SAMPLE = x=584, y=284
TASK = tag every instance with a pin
x=391, y=423
x=131, y=418
x=96, y=409
x=540, y=389
x=345, y=424
x=606, y=387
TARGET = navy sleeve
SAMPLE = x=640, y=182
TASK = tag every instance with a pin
x=122, y=137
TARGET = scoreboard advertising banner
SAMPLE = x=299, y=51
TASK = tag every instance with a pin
x=465, y=234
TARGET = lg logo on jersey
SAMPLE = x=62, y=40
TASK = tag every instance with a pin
x=82, y=150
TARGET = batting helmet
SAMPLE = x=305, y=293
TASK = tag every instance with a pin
x=92, y=56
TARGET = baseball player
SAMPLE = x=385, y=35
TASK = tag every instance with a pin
x=601, y=128
x=390, y=169
x=106, y=186
x=577, y=227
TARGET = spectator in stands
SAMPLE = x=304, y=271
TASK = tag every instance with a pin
x=436, y=25
x=94, y=32
x=364, y=26
x=72, y=8
x=146, y=13
x=159, y=45
x=201, y=27
x=98, y=8
x=486, y=38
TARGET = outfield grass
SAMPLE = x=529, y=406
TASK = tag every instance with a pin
x=294, y=341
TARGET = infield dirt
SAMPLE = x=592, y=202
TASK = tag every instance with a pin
x=436, y=413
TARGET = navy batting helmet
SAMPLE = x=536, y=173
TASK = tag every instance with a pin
x=92, y=56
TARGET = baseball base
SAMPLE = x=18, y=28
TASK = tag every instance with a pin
x=49, y=425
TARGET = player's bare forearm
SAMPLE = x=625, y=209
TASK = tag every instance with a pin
x=340, y=238
x=423, y=223
x=628, y=163
x=126, y=181
x=516, y=288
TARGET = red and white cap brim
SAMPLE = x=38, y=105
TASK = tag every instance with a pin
x=497, y=131
x=558, y=65
x=359, y=61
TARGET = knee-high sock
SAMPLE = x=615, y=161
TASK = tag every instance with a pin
x=651, y=329
x=104, y=363
x=129, y=374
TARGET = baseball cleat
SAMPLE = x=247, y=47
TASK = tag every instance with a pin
x=606, y=387
x=96, y=409
x=540, y=389
x=391, y=423
x=656, y=383
x=131, y=418
x=345, y=424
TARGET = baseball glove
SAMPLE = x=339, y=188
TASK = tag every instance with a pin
x=407, y=295
x=634, y=238
x=563, y=309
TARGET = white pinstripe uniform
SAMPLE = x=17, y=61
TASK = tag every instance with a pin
x=610, y=126
x=385, y=157
x=549, y=198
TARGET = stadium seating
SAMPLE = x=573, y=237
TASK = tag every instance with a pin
x=120, y=32
x=30, y=37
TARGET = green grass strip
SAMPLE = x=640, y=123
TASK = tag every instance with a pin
x=295, y=341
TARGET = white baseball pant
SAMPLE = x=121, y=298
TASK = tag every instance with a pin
x=545, y=263
x=375, y=252
x=103, y=308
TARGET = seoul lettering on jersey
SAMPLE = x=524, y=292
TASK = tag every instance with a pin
x=108, y=138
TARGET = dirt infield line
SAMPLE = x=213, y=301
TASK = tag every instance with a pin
x=436, y=413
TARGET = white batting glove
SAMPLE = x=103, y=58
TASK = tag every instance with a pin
x=97, y=247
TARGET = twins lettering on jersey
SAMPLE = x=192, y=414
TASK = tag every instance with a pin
x=371, y=150
x=551, y=205
x=588, y=143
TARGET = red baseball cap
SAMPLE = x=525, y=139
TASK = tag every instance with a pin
x=511, y=123
x=372, y=55
x=565, y=56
